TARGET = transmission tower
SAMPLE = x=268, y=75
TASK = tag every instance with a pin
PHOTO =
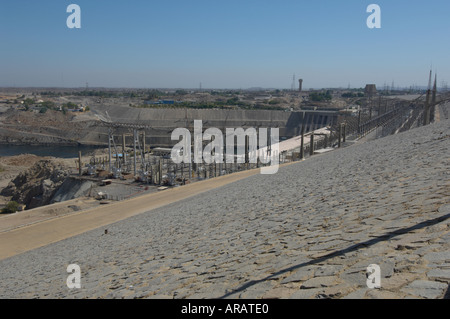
x=427, y=115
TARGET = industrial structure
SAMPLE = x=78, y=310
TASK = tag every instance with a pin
x=131, y=134
x=300, y=85
x=370, y=90
x=159, y=123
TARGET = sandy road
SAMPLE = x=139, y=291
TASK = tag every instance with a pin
x=23, y=239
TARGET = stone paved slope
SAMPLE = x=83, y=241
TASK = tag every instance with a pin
x=309, y=231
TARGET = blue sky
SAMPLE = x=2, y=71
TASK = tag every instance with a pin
x=222, y=44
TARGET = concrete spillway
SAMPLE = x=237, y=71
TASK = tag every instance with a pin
x=161, y=122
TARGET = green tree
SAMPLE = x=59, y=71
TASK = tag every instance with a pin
x=71, y=105
x=233, y=101
x=181, y=92
x=10, y=208
x=48, y=104
x=274, y=102
x=28, y=101
x=319, y=97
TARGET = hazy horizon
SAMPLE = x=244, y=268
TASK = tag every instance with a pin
x=419, y=87
x=229, y=45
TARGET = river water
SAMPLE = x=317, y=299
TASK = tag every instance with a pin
x=54, y=151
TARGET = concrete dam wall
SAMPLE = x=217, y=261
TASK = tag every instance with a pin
x=161, y=122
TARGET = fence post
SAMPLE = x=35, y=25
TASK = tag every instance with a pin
x=302, y=146
x=339, y=135
x=79, y=163
x=124, y=158
x=345, y=131
x=247, y=156
x=311, y=145
x=160, y=172
x=151, y=173
x=359, y=122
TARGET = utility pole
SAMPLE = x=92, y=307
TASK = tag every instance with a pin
x=359, y=122
x=79, y=163
x=123, y=150
x=134, y=150
x=339, y=135
x=302, y=142
x=344, y=132
x=143, y=143
x=426, y=118
x=379, y=106
x=433, y=99
x=110, y=136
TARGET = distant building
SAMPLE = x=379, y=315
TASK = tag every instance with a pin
x=263, y=97
x=165, y=102
x=370, y=90
x=300, y=85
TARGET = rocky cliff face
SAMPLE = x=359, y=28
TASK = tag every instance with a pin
x=37, y=186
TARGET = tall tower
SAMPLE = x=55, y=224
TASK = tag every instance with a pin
x=427, y=110
x=300, y=85
x=433, y=98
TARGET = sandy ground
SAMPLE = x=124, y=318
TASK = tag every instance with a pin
x=33, y=216
x=15, y=164
x=39, y=234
